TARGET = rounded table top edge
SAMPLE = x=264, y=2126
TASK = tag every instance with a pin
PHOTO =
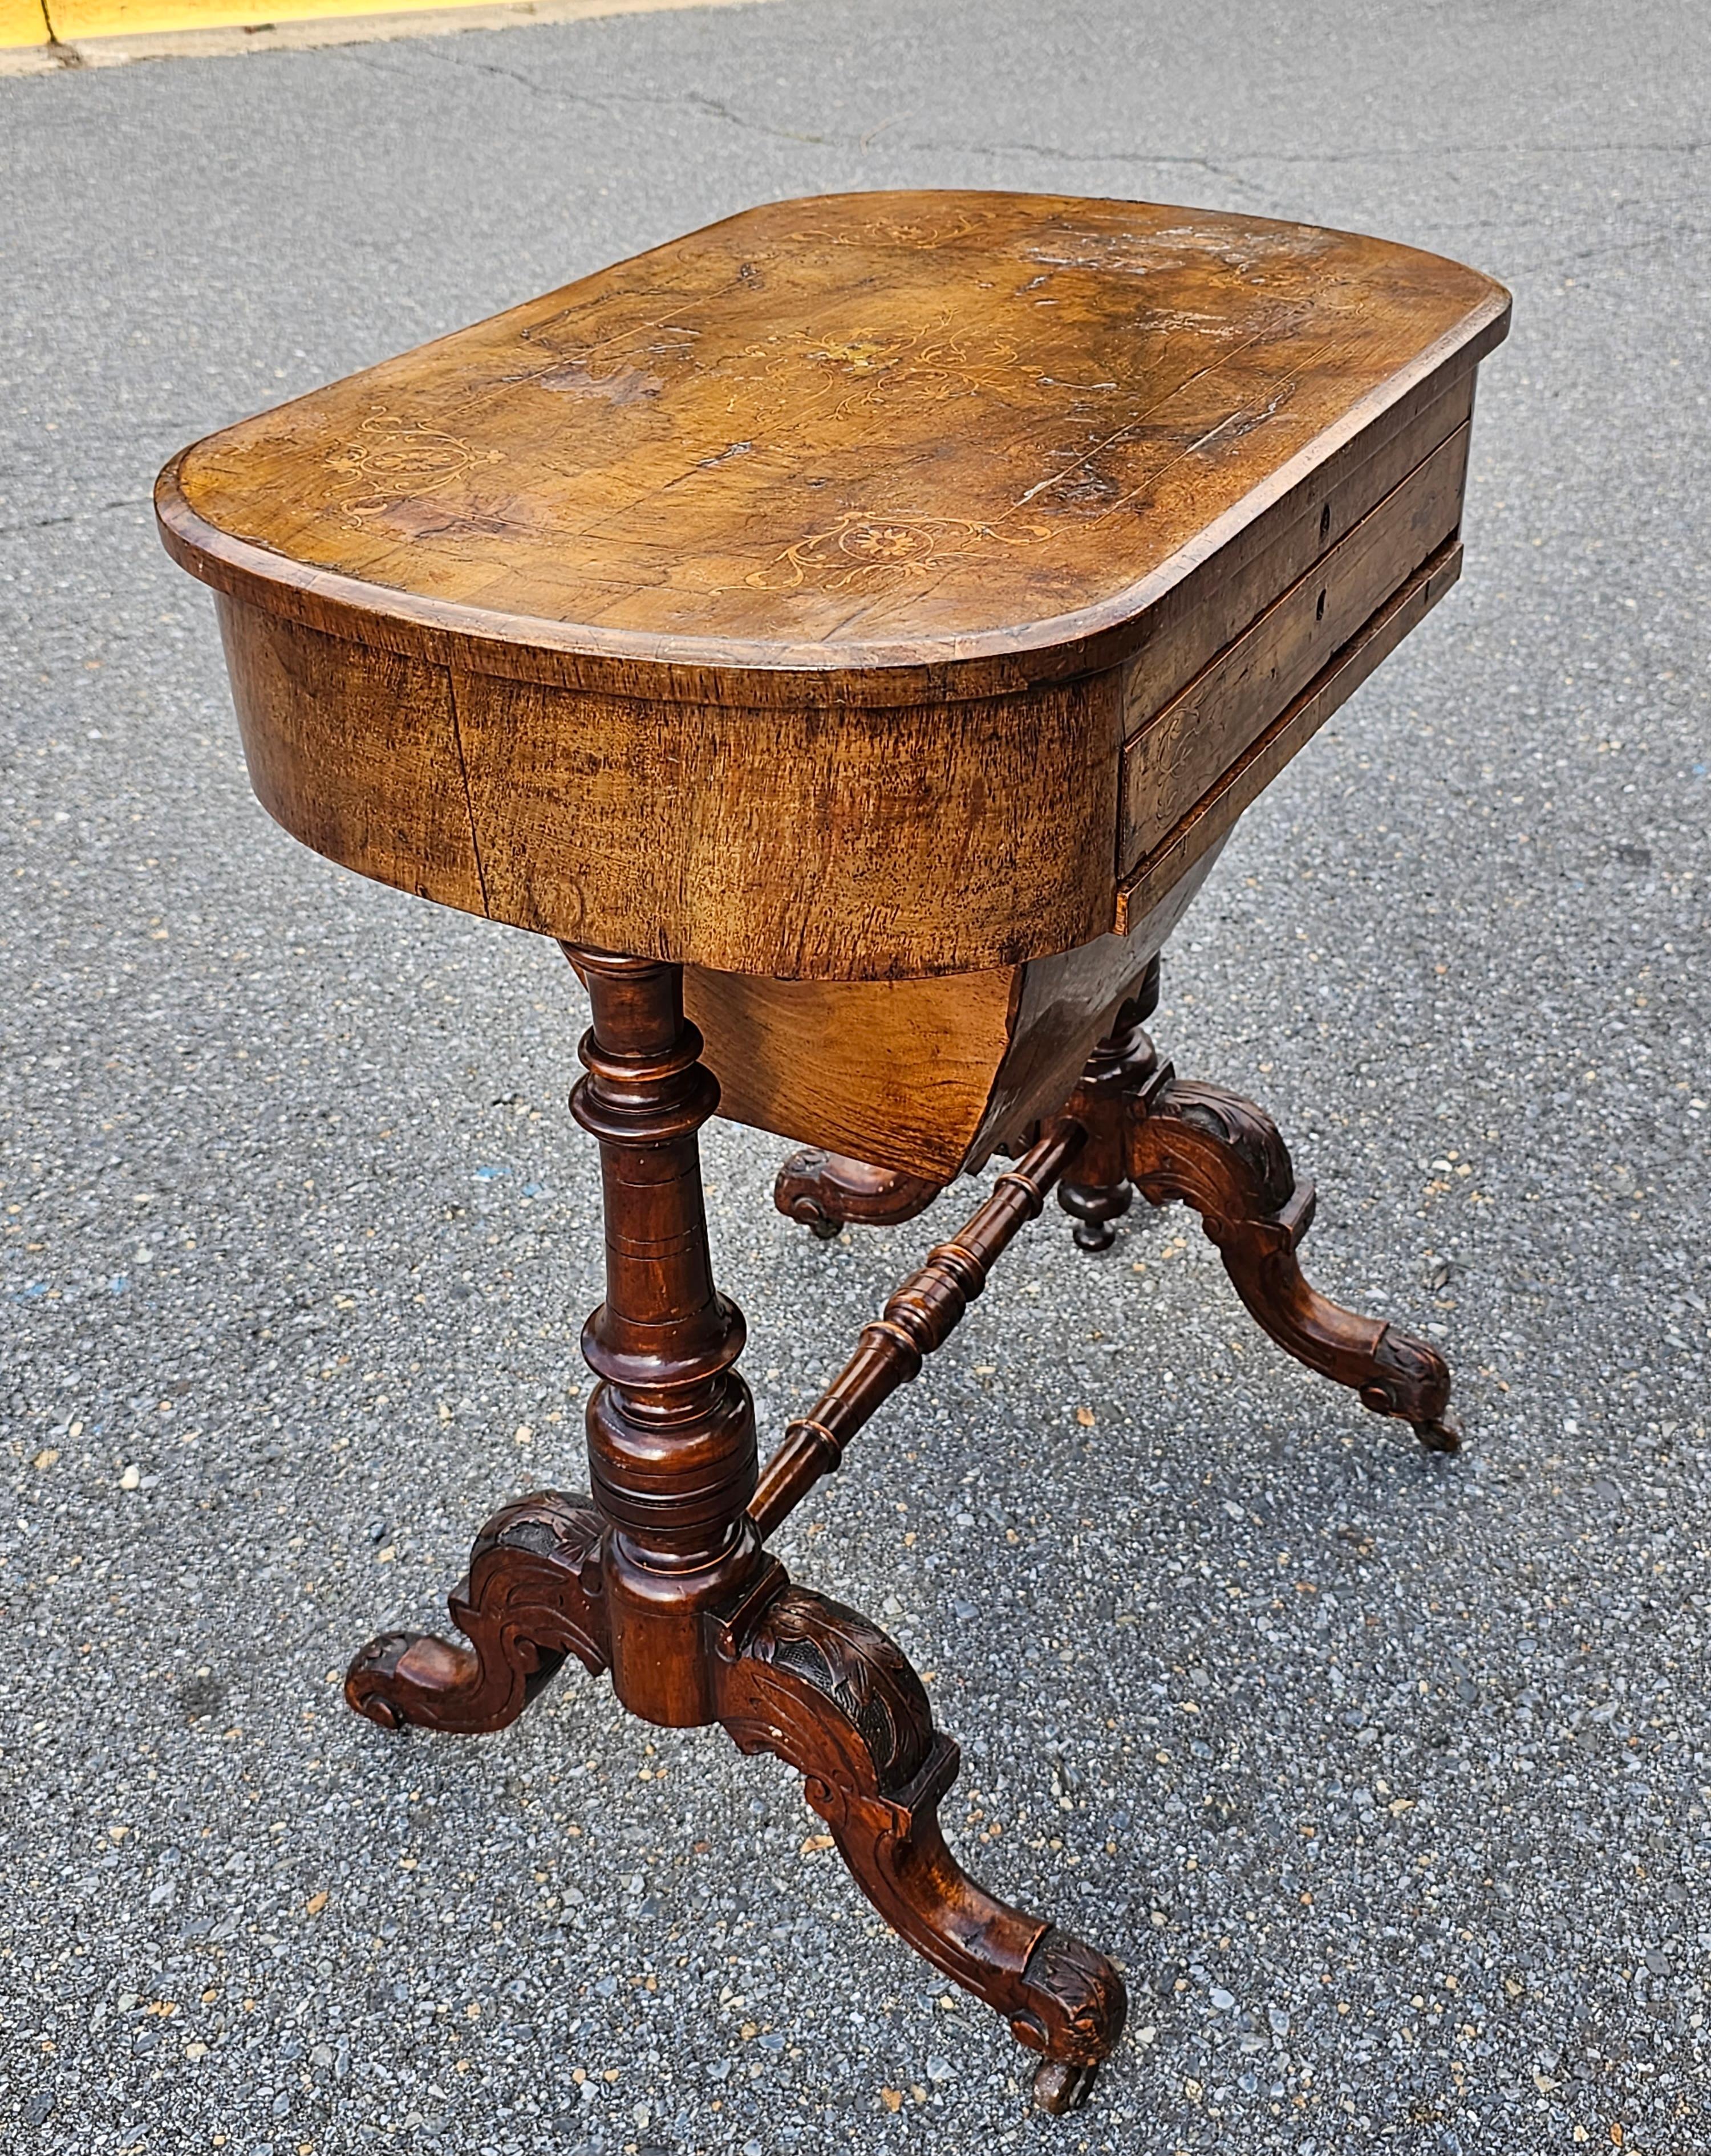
x=670, y=669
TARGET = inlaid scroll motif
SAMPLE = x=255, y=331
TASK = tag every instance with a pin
x=881, y=370
x=864, y=553
x=394, y=460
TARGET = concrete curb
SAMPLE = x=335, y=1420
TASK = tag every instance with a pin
x=48, y=37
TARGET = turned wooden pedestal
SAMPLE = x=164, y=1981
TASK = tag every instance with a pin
x=852, y=631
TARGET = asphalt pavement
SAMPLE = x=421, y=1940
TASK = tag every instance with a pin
x=1383, y=1775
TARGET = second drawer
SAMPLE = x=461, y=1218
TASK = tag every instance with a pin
x=1181, y=753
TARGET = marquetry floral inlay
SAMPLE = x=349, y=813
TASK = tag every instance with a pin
x=393, y=459
x=862, y=552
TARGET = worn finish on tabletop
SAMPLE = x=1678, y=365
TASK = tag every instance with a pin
x=779, y=602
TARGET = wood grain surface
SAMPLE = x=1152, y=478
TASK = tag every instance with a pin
x=894, y=1072
x=1203, y=731
x=837, y=435
x=937, y=838
x=780, y=602
x=355, y=751
x=924, y=1076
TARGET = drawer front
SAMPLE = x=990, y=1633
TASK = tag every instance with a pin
x=1214, y=815
x=1191, y=625
x=1176, y=759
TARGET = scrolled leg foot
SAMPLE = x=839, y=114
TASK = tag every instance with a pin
x=1220, y=1155
x=827, y=1191
x=834, y=1697
x=1412, y=1380
x=530, y=1596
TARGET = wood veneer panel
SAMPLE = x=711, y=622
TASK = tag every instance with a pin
x=355, y=751
x=1211, y=818
x=927, y=1076
x=799, y=582
x=894, y=1072
x=863, y=845
x=1172, y=763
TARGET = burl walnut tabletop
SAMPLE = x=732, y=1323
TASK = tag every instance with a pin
x=852, y=630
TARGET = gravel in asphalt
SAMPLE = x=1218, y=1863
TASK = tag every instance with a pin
x=1383, y=1775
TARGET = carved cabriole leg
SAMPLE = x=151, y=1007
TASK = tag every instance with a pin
x=532, y=1595
x=826, y=1191
x=832, y=1696
x=1219, y=1153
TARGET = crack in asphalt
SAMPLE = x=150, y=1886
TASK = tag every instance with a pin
x=71, y=517
x=1218, y=166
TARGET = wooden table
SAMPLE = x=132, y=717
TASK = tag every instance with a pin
x=852, y=630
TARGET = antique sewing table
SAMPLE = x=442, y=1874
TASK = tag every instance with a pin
x=852, y=630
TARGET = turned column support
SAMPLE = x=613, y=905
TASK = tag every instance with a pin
x=660, y=1576
x=670, y=1425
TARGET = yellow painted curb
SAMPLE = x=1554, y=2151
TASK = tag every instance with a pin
x=43, y=36
x=75, y=20
x=22, y=23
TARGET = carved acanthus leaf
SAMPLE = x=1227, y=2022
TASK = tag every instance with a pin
x=853, y=1665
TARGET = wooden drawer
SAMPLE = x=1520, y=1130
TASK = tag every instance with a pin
x=1212, y=817
x=1232, y=586
x=1180, y=755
